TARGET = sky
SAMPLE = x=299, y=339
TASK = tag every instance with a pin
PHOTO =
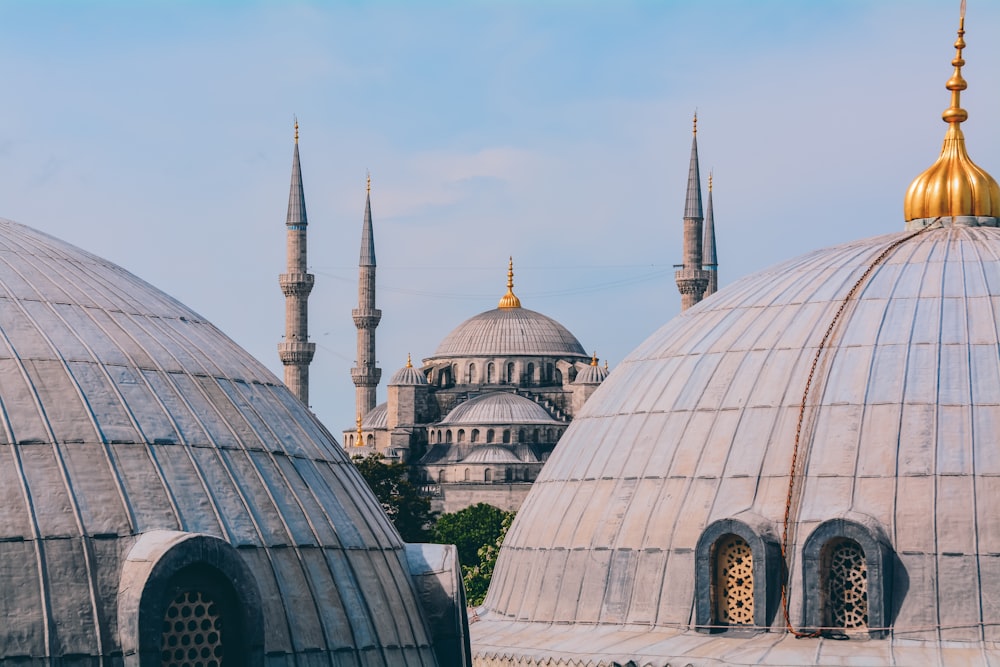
x=159, y=135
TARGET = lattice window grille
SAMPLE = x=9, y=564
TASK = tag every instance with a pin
x=192, y=632
x=734, y=581
x=847, y=590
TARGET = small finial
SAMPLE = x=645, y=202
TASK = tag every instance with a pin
x=956, y=84
x=710, y=181
x=695, y=122
x=360, y=441
x=593, y=359
x=296, y=128
x=409, y=362
x=605, y=364
x=509, y=300
x=368, y=186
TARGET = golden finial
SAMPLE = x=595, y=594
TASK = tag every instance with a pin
x=709, y=181
x=368, y=186
x=409, y=363
x=296, y=128
x=954, y=186
x=593, y=359
x=606, y=364
x=696, y=122
x=360, y=440
x=508, y=300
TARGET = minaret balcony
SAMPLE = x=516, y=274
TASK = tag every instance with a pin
x=296, y=284
x=367, y=318
x=296, y=352
x=366, y=377
x=691, y=281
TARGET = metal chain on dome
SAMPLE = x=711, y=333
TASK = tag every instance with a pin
x=802, y=411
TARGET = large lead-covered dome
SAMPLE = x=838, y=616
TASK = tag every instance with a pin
x=151, y=470
x=510, y=332
x=689, y=443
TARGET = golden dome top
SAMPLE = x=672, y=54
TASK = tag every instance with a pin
x=954, y=185
x=593, y=359
x=509, y=300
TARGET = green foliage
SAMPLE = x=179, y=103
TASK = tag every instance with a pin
x=409, y=511
x=477, y=578
x=470, y=529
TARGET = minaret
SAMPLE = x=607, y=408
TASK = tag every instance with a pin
x=296, y=351
x=366, y=316
x=711, y=261
x=692, y=278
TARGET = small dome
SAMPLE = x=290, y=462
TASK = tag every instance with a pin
x=408, y=375
x=510, y=332
x=592, y=374
x=498, y=407
x=377, y=417
x=491, y=454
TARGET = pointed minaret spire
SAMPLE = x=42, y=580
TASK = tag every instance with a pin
x=711, y=260
x=296, y=351
x=366, y=316
x=692, y=279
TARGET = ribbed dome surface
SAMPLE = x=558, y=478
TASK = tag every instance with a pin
x=499, y=407
x=124, y=413
x=698, y=425
x=591, y=375
x=377, y=417
x=509, y=332
x=408, y=375
x=491, y=454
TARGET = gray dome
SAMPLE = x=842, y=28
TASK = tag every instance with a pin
x=592, y=374
x=143, y=452
x=377, y=417
x=510, y=332
x=408, y=375
x=499, y=407
x=491, y=454
x=696, y=428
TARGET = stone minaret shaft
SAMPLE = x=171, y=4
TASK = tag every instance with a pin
x=366, y=317
x=711, y=259
x=296, y=351
x=692, y=279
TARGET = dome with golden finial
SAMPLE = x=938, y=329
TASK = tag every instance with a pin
x=953, y=187
x=408, y=375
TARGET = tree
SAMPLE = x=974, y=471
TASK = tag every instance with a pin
x=477, y=578
x=409, y=511
x=470, y=529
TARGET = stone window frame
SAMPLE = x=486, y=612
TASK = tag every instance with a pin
x=878, y=560
x=158, y=562
x=766, y=574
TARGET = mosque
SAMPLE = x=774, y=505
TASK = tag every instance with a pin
x=801, y=470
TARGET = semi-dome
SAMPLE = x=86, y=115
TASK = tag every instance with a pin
x=491, y=454
x=151, y=469
x=592, y=374
x=377, y=417
x=500, y=407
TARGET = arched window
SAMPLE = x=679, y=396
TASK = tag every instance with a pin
x=441, y=476
x=489, y=436
x=549, y=372
x=550, y=435
x=474, y=437
x=370, y=441
x=506, y=436
x=846, y=570
x=466, y=475
x=447, y=436
x=558, y=376
x=488, y=475
x=510, y=373
x=534, y=435
x=461, y=435
x=471, y=377
x=507, y=474
x=737, y=574
x=572, y=373
x=520, y=435
x=733, y=586
x=491, y=373
x=529, y=376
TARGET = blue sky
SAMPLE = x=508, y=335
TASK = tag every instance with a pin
x=159, y=135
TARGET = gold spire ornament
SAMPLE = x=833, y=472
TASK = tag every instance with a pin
x=360, y=442
x=953, y=186
x=296, y=129
x=368, y=186
x=509, y=300
x=409, y=362
x=593, y=359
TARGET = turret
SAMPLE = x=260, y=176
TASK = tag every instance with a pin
x=296, y=351
x=692, y=279
x=711, y=260
x=366, y=316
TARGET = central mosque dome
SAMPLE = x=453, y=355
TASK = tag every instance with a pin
x=808, y=456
